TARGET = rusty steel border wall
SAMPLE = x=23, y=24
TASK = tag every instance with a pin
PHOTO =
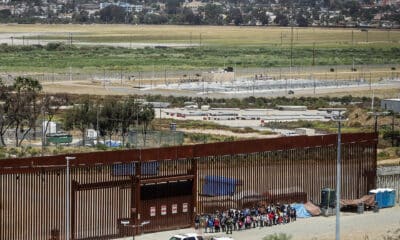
x=107, y=187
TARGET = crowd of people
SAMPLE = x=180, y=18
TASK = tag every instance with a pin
x=237, y=220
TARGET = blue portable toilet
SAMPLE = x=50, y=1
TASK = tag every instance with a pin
x=378, y=196
x=392, y=198
x=385, y=197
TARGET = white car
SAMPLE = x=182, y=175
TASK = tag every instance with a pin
x=187, y=236
x=221, y=238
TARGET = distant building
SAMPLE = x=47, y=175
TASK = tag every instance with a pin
x=391, y=104
x=194, y=6
x=128, y=7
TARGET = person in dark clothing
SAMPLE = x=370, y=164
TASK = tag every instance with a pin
x=197, y=221
x=229, y=225
x=294, y=214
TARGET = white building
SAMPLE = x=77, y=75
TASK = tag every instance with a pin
x=128, y=7
x=391, y=104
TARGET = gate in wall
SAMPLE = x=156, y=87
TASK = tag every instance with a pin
x=158, y=189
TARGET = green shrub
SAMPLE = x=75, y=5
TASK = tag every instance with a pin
x=383, y=155
x=101, y=147
x=280, y=236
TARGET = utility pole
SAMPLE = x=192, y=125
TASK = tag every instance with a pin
x=337, y=118
x=70, y=39
x=352, y=37
x=200, y=40
x=393, y=115
x=313, y=54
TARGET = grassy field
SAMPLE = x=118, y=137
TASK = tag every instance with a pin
x=241, y=47
x=208, y=35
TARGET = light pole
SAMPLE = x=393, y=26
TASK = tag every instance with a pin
x=67, y=200
x=337, y=118
x=376, y=115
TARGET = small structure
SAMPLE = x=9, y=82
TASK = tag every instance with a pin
x=91, y=134
x=59, y=138
x=291, y=108
x=305, y=131
x=391, y=104
x=49, y=127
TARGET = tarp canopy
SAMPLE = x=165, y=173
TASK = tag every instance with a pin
x=112, y=143
x=368, y=200
x=312, y=209
x=219, y=186
x=301, y=211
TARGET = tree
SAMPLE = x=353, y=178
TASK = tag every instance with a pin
x=191, y=18
x=235, y=16
x=281, y=19
x=80, y=17
x=80, y=116
x=172, y=6
x=213, y=14
x=260, y=15
x=130, y=110
x=301, y=21
x=110, y=117
x=113, y=14
x=24, y=110
x=151, y=18
x=5, y=14
x=5, y=105
x=146, y=115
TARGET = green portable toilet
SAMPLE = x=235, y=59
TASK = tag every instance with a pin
x=328, y=196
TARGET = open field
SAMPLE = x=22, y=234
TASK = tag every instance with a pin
x=130, y=48
x=204, y=35
x=82, y=68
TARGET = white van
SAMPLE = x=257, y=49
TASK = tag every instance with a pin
x=187, y=236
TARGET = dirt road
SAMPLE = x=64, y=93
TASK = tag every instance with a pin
x=354, y=226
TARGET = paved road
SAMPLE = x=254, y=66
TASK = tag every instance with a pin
x=353, y=227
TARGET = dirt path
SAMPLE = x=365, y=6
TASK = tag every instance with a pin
x=353, y=227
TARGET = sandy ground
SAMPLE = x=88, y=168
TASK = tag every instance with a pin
x=353, y=226
x=86, y=87
x=229, y=133
x=389, y=162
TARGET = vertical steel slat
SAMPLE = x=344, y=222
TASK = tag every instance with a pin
x=37, y=202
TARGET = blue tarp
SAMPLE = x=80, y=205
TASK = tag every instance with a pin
x=219, y=186
x=301, y=211
x=128, y=169
x=112, y=143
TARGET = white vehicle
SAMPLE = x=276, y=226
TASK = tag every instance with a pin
x=221, y=238
x=187, y=236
